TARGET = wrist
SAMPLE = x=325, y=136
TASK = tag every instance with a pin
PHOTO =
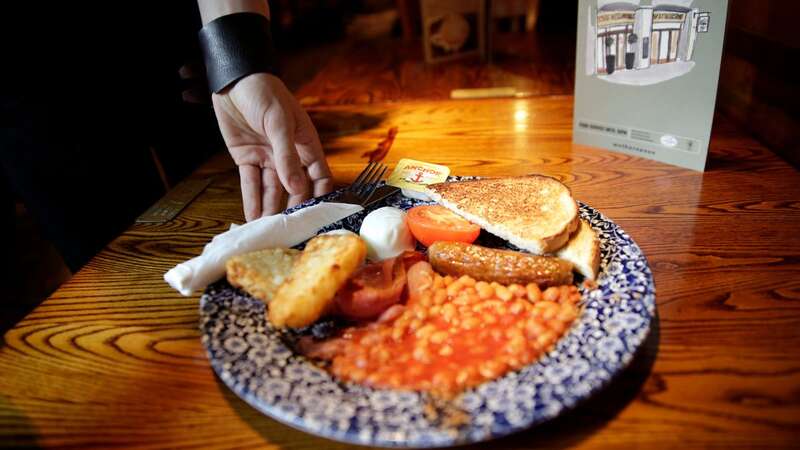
x=260, y=84
x=235, y=46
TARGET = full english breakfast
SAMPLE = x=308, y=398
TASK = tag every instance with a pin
x=450, y=316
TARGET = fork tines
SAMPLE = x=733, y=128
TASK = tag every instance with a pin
x=363, y=174
x=367, y=181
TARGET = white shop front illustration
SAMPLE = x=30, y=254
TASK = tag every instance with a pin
x=633, y=43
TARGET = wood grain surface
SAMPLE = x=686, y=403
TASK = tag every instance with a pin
x=114, y=359
x=388, y=70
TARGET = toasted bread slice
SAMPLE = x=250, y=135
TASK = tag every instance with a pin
x=534, y=212
x=260, y=273
x=324, y=266
x=583, y=251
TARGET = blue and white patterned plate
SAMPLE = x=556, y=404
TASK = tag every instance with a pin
x=259, y=364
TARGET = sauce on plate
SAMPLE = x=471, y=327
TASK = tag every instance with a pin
x=456, y=335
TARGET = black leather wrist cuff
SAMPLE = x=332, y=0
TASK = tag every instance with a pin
x=235, y=46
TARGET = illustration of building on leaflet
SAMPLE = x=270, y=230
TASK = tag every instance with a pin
x=635, y=44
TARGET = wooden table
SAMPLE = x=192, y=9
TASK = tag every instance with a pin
x=114, y=358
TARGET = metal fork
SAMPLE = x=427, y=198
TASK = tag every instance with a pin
x=364, y=185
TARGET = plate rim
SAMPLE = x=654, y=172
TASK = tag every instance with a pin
x=351, y=437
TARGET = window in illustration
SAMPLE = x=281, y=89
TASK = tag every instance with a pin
x=629, y=42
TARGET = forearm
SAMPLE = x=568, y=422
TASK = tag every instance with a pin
x=269, y=136
x=211, y=9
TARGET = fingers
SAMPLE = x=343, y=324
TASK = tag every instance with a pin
x=312, y=155
x=272, y=196
x=321, y=177
x=250, y=179
x=295, y=200
x=281, y=131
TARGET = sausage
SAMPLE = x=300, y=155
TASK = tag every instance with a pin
x=503, y=266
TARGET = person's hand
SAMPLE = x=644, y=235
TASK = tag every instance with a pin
x=274, y=143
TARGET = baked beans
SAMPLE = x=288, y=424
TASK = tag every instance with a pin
x=459, y=335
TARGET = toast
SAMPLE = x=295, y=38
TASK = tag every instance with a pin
x=260, y=273
x=322, y=269
x=534, y=212
x=583, y=251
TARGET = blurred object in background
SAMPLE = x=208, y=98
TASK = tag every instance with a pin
x=309, y=34
x=516, y=12
x=453, y=29
x=372, y=25
x=757, y=89
x=532, y=52
x=408, y=10
x=298, y=24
